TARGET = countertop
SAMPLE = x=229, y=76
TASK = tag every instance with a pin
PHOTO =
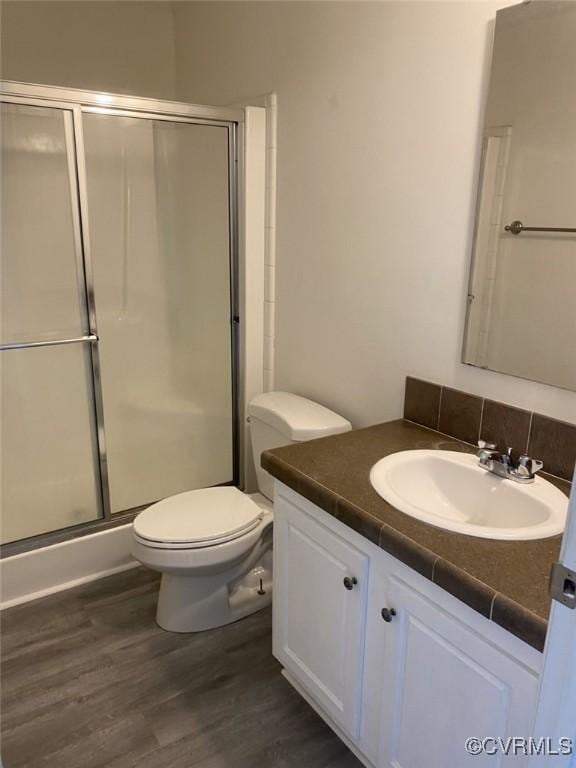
x=506, y=581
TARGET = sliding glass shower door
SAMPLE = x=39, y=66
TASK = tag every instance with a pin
x=118, y=327
x=50, y=476
x=158, y=198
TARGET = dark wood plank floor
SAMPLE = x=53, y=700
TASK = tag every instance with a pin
x=89, y=680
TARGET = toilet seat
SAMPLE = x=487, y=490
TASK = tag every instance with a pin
x=197, y=519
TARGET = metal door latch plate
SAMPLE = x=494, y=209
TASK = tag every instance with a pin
x=563, y=585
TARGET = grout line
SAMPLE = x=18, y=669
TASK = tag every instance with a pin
x=558, y=477
x=439, y=407
x=529, y=432
x=444, y=434
x=492, y=605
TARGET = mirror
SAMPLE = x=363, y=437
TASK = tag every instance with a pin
x=522, y=296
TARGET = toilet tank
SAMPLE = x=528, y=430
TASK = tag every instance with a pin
x=281, y=418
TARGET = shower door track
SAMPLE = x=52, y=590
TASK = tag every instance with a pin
x=77, y=102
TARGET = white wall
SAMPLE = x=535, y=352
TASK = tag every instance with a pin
x=123, y=47
x=380, y=107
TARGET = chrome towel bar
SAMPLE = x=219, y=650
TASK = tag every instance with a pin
x=516, y=227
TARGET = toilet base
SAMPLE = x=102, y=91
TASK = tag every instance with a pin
x=199, y=603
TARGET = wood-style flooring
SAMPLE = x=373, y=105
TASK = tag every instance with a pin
x=90, y=681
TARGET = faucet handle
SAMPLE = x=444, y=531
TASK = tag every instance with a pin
x=528, y=467
x=487, y=453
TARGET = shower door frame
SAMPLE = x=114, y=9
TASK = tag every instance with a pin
x=79, y=102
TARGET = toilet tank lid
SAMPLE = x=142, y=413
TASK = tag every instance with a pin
x=296, y=417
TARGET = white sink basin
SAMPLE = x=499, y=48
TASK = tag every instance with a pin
x=451, y=491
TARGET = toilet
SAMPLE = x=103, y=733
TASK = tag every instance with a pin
x=213, y=546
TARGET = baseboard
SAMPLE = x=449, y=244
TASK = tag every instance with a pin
x=41, y=572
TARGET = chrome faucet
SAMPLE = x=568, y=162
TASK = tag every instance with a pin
x=502, y=464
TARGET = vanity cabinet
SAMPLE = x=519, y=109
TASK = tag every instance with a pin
x=406, y=687
x=445, y=682
x=321, y=587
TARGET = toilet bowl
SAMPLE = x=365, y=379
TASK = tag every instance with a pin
x=213, y=546
x=206, y=543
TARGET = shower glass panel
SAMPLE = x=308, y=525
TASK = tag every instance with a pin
x=158, y=197
x=48, y=452
x=40, y=289
x=50, y=478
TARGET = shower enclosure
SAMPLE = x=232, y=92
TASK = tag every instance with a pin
x=118, y=343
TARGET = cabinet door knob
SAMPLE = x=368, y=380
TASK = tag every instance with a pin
x=350, y=582
x=388, y=614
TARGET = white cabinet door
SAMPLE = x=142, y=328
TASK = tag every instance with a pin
x=320, y=588
x=444, y=684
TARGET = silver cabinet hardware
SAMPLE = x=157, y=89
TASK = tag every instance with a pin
x=350, y=582
x=388, y=614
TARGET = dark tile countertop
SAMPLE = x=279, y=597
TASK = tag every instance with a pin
x=506, y=581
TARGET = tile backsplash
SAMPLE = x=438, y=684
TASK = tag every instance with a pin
x=471, y=418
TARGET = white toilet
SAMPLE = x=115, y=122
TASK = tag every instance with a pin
x=213, y=546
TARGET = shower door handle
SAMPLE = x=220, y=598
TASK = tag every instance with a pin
x=49, y=342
